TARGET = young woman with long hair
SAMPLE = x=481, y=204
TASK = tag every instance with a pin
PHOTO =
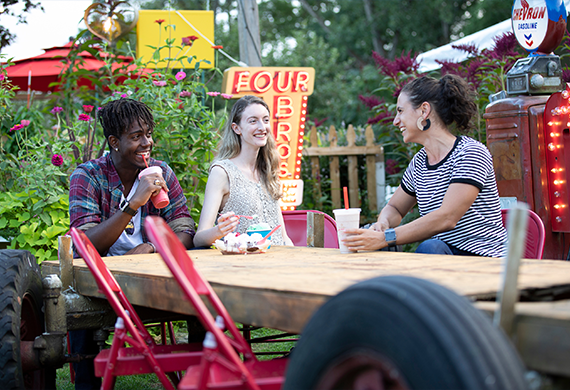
x=243, y=178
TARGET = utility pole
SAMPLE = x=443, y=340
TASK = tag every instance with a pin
x=248, y=27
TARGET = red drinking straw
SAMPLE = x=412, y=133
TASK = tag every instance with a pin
x=344, y=189
x=144, y=158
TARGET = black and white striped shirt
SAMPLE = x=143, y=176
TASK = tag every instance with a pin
x=480, y=230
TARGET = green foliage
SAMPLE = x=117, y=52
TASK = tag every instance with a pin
x=34, y=220
x=484, y=70
x=43, y=142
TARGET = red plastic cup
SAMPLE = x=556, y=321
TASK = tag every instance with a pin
x=160, y=200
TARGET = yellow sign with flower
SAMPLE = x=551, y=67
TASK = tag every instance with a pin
x=177, y=39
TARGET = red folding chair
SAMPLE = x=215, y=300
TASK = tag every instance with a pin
x=144, y=356
x=221, y=366
x=535, y=235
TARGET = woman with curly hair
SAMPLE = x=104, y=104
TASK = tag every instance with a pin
x=243, y=178
x=451, y=178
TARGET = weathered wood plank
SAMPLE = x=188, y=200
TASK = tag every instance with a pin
x=312, y=273
x=541, y=334
x=334, y=167
x=282, y=288
x=371, y=172
x=315, y=230
x=316, y=169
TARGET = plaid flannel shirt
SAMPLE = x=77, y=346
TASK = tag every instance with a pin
x=95, y=193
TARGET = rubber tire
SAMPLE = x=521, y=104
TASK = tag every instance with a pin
x=20, y=286
x=435, y=338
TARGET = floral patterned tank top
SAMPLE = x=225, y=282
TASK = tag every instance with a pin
x=250, y=198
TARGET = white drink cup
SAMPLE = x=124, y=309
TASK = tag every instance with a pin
x=346, y=219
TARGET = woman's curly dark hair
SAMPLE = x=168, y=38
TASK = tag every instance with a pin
x=451, y=98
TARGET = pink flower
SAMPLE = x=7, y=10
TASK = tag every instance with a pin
x=180, y=76
x=16, y=127
x=56, y=110
x=227, y=95
x=185, y=94
x=212, y=94
x=84, y=117
x=159, y=21
x=124, y=95
x=188, y=41
x=159, y=83
x=1, y=77
x=57, y=160
x=25, y=122
x=88, y=109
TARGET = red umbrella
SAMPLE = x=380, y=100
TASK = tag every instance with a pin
x=42, y=70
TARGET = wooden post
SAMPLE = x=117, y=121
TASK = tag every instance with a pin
x=380, y=180
x=316, y=170
x=371, y=172
x=65, y=256
x=353, y=192
x=315, y=230
x=334, y=171
x=248, y=27
x=508, y=295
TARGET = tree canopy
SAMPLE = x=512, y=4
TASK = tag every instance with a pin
x=9, y=8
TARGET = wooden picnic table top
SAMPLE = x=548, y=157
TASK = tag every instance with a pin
x=282, y=288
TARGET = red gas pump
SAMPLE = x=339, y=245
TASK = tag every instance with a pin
x=528, y=126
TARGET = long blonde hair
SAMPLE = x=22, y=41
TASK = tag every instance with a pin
x=267, y=163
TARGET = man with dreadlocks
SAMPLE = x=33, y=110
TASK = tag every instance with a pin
x=109, y=202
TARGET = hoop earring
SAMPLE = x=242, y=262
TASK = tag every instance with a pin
x=421, y=126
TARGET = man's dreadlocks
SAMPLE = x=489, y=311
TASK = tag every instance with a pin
x=117, y=116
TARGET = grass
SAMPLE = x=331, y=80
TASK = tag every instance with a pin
x=134, y=382
x=151, y=382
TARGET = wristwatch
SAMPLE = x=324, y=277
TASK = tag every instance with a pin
x=124, y=207
x=390, y=237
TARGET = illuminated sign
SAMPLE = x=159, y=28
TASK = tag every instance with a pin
x=539, y=24
x=557, y=142
x=285, y=90
x=173, y=28
x=292, y=193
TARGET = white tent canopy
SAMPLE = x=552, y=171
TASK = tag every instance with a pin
x=482, y=40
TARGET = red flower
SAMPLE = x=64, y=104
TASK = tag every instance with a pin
x=159, y=21
x=88, y=109
x=188, y=41
x=217, y=47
